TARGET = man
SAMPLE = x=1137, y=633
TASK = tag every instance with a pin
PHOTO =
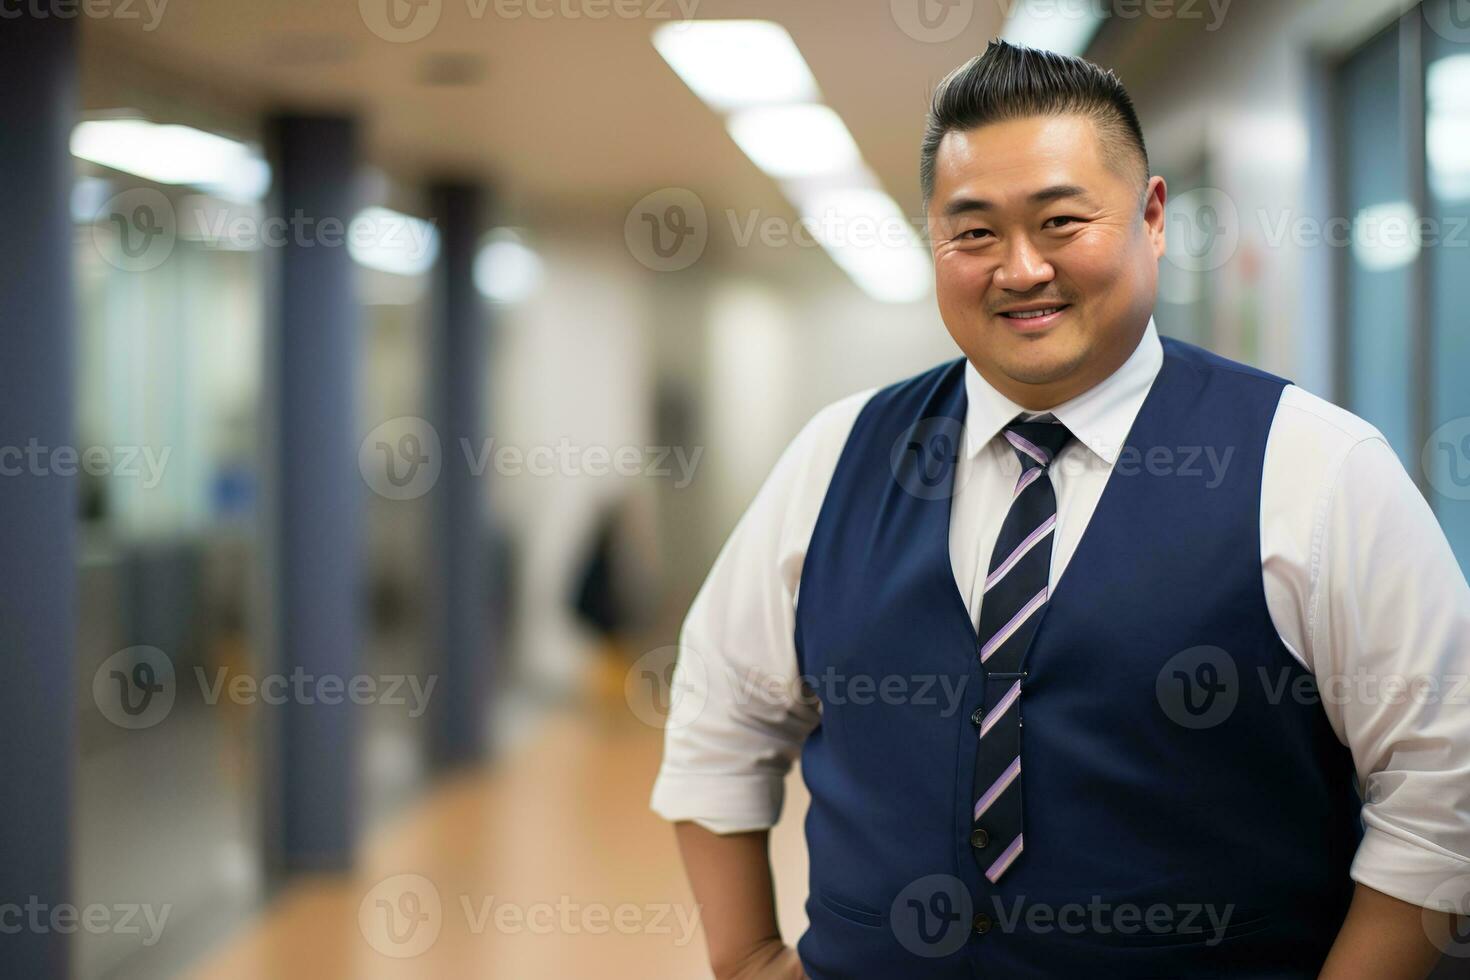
x=1188, y=582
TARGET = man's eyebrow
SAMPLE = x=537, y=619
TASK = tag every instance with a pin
x=961, y=205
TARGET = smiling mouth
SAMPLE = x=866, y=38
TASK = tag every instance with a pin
x=1024, y=315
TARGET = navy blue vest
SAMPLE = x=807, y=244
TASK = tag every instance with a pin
x=1188, y=810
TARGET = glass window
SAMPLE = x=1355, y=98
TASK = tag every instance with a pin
x=1378, y=267
x=1447, y=166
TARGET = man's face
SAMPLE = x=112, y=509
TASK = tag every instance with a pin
x=1027, y=215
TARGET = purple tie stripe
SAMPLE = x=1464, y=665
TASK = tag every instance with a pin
x=1009, y=629
x=998, y=712
x=1004, y=861
x=1028, y=447
x=1021, y=550
x=1027, y=478
x=998, y=787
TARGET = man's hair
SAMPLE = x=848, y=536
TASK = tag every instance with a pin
x=1010, y=81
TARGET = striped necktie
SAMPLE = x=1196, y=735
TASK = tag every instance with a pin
x=1016, y=591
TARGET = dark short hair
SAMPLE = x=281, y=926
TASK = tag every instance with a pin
x=1010, y=81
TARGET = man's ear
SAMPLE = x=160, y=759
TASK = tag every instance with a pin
x=1155, y=196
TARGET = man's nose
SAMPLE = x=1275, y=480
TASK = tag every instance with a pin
x=1023, y=267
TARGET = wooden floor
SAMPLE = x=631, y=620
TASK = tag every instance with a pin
x=547, y=865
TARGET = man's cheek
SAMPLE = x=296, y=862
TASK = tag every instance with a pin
x=963, y=278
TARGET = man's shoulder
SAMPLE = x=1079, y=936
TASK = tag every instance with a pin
x=1318, y=420
x=1202, y=360
x=814, y=451
x=833, y=422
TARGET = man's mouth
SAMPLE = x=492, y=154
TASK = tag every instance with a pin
x=1034, y=320
x=1033, y=314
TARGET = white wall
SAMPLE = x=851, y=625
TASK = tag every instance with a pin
x=570, y=367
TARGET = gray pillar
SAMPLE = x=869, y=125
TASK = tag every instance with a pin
x=37, y=509
x=460, y=597
x=317, y=500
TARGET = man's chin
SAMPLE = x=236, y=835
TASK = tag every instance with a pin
x=1041, y=361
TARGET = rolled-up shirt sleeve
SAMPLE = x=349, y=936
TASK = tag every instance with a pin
x=738, y=713
x=1390, y=645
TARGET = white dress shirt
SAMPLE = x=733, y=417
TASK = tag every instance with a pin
x=1360, y=583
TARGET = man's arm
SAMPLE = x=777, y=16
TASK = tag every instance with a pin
x=731, y=878
x=1379, y=608
x=741, y=715
x=1384, y=938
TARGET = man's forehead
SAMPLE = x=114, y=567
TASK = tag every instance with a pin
x=1016, y=160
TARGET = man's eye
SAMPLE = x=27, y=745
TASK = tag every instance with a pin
x=1061, y=217
x=973, y=234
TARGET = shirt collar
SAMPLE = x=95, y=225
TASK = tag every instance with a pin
x=1099, y=418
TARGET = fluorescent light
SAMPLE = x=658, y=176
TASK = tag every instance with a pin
x=1385, y=236
x=221, y=224
x=1063, y=26
x=735, y=63
x=1447, y=127
x=173, y=154
x=392, y=242
x=795, y=140
x=866, y=234
x=752, y=70
x=506, y=271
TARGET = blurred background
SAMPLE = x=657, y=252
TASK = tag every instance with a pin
x=382, y=377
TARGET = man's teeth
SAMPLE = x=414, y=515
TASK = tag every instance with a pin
x=1032, y=314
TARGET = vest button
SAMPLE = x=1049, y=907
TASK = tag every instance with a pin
x=978, y=716
x=981, y=923
x=979, y=838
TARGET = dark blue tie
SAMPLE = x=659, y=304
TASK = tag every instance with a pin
x=1016, y=591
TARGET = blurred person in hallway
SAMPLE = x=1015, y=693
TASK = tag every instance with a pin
x=893, y=604
x=615, y=597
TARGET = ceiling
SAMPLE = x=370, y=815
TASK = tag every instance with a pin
x=556, y=111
